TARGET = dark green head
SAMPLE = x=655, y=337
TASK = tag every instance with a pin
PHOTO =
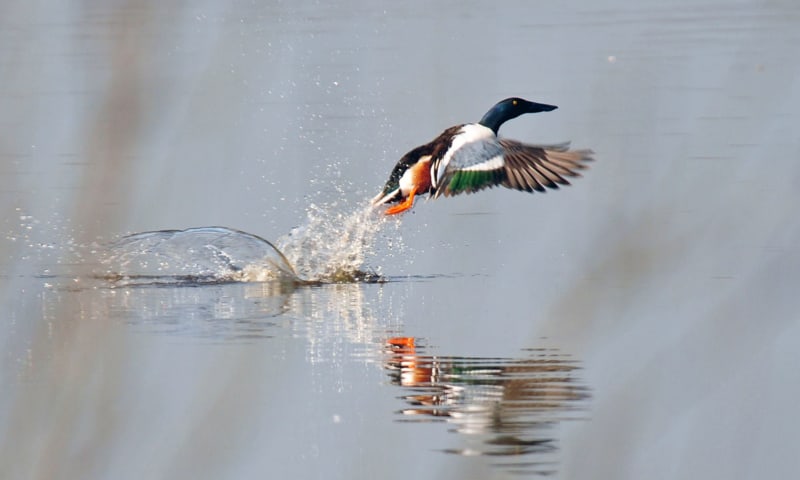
x=511, y=108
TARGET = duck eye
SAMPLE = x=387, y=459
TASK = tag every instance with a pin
x=514, y=102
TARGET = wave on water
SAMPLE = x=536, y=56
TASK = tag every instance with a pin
x=331, y=247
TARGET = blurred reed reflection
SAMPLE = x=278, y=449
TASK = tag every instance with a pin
x=504, y=407
x=326, y=315
x=218, y=312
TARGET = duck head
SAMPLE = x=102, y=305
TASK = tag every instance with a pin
x=510, y=108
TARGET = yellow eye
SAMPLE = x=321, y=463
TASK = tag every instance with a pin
x=514, y=102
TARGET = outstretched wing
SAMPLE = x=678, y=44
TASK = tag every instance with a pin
x=534, y=167
x=488, y=162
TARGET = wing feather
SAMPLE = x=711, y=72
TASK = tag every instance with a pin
x=546, y=165
x=487, y=162
x=477, y=163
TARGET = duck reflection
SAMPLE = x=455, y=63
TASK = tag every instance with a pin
x=505, y=406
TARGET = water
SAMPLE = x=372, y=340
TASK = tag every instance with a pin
x=334, y=246
x=331, y=247
x=505, y=408
x=195, y=256
x=641, y=323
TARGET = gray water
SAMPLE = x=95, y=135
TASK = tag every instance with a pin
x=642, y=323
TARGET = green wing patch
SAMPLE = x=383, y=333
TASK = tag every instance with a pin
x=473, y=180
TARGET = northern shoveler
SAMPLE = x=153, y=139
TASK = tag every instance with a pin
x=470, y=157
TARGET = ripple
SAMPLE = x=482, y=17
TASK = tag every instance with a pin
x=503, y=407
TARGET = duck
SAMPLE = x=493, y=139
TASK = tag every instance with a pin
x=470, y=157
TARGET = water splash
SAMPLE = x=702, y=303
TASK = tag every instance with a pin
x=333, y=245
x=196, y=255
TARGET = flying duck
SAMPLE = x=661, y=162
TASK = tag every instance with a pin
x=470, y=157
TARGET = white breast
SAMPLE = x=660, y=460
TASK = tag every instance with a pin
x=469, y=133
x=407, y=181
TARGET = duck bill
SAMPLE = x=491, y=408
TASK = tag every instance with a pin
x=534, y=107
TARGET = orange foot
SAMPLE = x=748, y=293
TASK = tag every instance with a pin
x=404, y=205
x=407, y=342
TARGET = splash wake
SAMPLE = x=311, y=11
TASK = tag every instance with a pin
x=331, y=247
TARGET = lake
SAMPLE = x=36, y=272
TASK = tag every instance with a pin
x=641, y=323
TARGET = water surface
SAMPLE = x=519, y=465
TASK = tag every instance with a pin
x=659, y=289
